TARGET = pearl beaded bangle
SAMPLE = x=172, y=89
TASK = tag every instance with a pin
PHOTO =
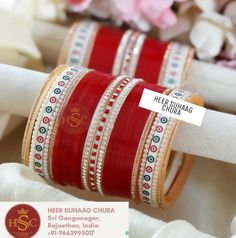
x=120, y=52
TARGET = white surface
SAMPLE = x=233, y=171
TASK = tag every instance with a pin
x=17, y=180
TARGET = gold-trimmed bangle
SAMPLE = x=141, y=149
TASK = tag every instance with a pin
x=33, y=115
x=67, y=44
x=161, y=198
x=175, y=66
x=137, y=168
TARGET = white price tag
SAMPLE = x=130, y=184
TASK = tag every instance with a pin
x=172, y=107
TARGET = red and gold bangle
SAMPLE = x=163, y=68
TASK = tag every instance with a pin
x=87, y=130
x=46, y=115
x=69, y=140
x=105, y=115
x=78, y=44
x=124, y=144
x=105, y=47
x=95, y=131
x=151, y=56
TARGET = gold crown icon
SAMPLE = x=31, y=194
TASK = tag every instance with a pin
x=74, y=109
x=22, y=211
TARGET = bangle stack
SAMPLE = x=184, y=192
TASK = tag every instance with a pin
x=87, y=130
x=129, y=53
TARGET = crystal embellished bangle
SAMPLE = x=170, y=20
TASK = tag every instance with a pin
x=105, y=116
x=120, y=52
x=95, y=131
x=79, y=43
x=128, y=54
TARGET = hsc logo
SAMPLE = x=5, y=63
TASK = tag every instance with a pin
x=22, y=221
x=75, y=119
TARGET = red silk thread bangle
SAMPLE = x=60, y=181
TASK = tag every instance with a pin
x=68, y=147
x=104, y=49
x=150, y=60
x=120, y=156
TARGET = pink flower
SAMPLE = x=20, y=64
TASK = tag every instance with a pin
x=159, y=12
x=126, y=10
x=78, y=5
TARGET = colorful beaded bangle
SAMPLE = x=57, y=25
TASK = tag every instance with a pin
x=150, y=157
x=175, y=65
x=33, y=115
x=45, y=120
x=80, y=41
x=160, y=197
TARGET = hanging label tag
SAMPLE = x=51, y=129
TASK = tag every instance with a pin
x=172, y=107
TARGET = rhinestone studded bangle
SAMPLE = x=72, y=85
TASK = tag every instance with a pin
x=95, y=131
x=125, y=66
x=120, y=52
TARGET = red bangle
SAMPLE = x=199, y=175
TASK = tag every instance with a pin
x=150, y=60
x=104, y=49
x=123, y=144
x=69, y=144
